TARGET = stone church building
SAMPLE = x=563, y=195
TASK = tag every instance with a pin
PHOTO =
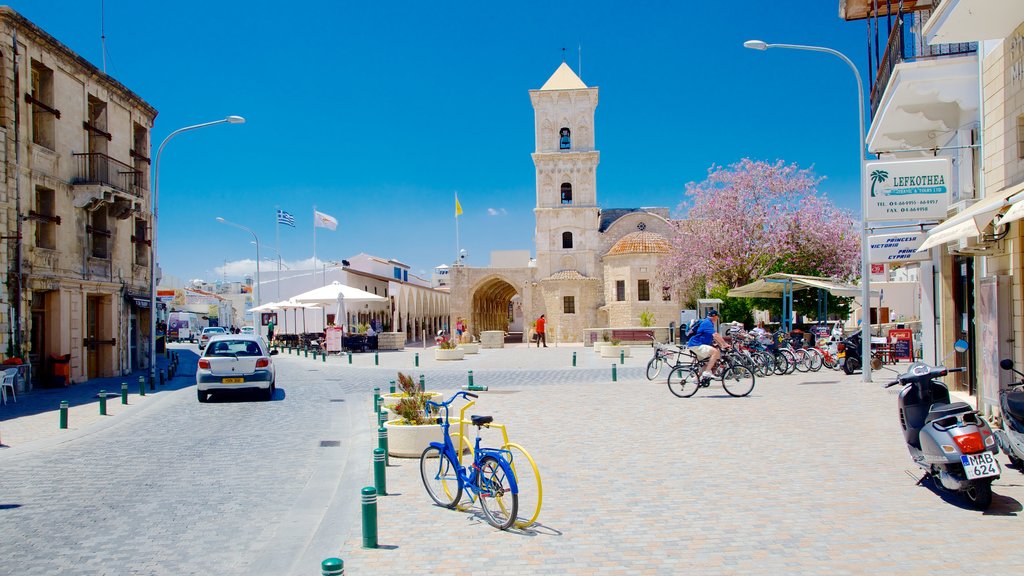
x=594, y=267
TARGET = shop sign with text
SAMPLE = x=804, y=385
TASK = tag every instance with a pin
x=894, y=248
x=908, y=189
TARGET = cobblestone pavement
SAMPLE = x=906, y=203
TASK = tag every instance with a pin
x=808, y=474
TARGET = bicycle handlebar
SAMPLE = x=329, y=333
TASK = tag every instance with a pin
x=462, y=393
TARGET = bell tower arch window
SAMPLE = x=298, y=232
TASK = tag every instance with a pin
x=566, y=193
x=566, y=240
x=564, y=140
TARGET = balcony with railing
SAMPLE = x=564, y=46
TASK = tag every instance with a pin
x=98, y=168
x=908, y=43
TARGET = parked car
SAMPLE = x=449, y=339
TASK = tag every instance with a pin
x=248, y=329
x=209, y=332
x=236, y=362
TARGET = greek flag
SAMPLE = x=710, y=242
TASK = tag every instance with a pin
x=285, y=218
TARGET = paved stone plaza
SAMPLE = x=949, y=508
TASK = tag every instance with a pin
x=808, y=474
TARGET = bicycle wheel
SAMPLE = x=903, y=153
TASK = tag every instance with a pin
x=531, y=492
x=499, y=503
x=684, y=381
x=767, y=362
x=790, y=357
x=817, y=359
x=781, y=363
x=803, y=361
x=440, y=477
x=654, y=367
x=738, y=380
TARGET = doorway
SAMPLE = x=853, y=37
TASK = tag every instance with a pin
x=963, y=317
x=93, y=305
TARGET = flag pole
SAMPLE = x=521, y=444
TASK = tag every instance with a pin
x=314, y=244
x=277, y=233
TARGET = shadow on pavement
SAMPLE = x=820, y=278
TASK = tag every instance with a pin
x=41, y=400
x=248, y=395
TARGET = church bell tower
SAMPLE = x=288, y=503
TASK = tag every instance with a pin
x=566, y=159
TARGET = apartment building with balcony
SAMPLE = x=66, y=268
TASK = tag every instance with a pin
x=949, y=81
x=74, y=206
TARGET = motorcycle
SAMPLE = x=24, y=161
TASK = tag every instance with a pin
x=1010, y=434
x=951, y=442
x=849, y=352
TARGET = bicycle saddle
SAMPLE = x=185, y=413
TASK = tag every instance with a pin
x=481, y=420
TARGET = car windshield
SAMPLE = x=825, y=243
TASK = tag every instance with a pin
x=214, y=331
x=233, y=348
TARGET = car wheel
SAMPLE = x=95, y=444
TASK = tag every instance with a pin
x=270, y=392
x=203, y=396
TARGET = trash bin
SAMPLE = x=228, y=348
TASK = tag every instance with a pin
x=60, y=370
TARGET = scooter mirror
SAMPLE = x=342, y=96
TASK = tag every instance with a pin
x=960, y=346
x=1006, y=364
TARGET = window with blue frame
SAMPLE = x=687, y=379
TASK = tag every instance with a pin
x=398, y=273
x=564, y=140
x=405, y=276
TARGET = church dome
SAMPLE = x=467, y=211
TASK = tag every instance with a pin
x=642, y=242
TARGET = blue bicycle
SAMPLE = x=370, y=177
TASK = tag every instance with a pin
x=490, y=477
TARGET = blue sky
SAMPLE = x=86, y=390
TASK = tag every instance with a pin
x=378, y=112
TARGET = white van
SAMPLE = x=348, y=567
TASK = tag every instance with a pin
x=183, y=326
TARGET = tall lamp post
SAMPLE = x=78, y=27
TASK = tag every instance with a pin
x=865, y=264
x=258, y=290
x=153, y=253
x=278, y=268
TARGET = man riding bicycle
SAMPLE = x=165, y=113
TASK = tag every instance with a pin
x=701, y=344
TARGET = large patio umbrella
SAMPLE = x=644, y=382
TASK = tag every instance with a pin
x=293, y=305
x=340, y=295
x=269, y=307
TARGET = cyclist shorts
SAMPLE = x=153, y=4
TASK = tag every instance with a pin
x=703, y=351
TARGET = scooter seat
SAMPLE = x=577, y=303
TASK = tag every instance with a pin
x=940, y=410
x=1015, y=404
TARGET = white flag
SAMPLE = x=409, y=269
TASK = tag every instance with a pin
x=324, y=221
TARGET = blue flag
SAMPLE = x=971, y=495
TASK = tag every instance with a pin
x=285, y=218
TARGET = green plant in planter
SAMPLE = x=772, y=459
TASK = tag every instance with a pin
x=447, y=345
x=412, y=407
x=615, y=342
x=646, y=319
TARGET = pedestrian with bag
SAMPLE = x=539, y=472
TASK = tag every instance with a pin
x=540, y=332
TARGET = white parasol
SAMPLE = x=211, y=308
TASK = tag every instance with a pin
x=339, y=294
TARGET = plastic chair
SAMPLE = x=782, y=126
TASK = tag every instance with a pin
x=9, y=377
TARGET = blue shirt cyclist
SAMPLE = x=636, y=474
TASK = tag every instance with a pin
x=700, y=344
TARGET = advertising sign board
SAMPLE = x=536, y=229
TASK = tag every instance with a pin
x=895, y=248
x=902, y=344
x=908, y=189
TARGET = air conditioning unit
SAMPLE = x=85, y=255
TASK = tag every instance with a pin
x=972, y=247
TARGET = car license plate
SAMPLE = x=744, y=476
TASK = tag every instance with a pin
x=232, y=380
x=980, y=465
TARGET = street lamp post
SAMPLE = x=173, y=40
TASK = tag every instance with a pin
x=278, y=269
x=259, y=290
x=865, y=264
x=152, y=251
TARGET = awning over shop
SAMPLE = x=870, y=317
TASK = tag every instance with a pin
x=137, y=300
x=773, y=286
x=784, y=285
x=976, y=218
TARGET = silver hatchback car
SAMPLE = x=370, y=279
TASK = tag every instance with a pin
x=236, y=362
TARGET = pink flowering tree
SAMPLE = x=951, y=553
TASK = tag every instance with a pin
x=754, y=218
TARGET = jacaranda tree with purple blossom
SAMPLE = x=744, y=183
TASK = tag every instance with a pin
x=755, y=218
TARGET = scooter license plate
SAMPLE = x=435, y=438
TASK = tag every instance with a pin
x=980, y=465
x=841, y=355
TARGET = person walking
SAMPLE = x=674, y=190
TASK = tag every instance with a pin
x=270, y=330
x=540, y=332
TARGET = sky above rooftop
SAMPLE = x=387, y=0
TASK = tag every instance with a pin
x=378, y=113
